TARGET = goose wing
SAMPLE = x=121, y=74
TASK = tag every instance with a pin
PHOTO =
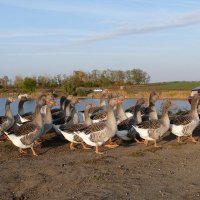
x=29, y=138
x=131, y=109
x=182, y=120
x=74, y=128
x=96, y=127
x=126, y=124
x=100, y=115
x=151, y=124
x=25, y=129
x=3, y=119
x=29, y=116
x=95, y=110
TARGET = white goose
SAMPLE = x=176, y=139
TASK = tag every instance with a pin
x=7, y=121
x=101, y=108
x=184, y=125
x=70, y=132
x=154, y=129
x=99, y=133
x=26, y=134
x=125, y=127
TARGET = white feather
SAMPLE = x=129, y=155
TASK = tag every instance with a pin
x=177, y=130
x=129, y=114
x=68, y=136
x=143, y=133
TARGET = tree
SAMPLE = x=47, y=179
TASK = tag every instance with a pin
x=18, y=82
x=4, y=82
x=138, y=76
x=29, y=84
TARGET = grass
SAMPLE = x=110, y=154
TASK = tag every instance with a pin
x=176, y=85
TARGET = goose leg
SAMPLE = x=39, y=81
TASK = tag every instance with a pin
x=84, y=146
x=72, y=146
x=155, y=144
x=139, y=142
x=112, y=143
x=21, y=151
x=192, y=139
x=146, y=142
x=33, y=151
x=179, y=140
x=97, y=150
x=111, y=146
x=37, y=142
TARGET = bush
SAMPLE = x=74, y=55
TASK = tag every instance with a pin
x=29, y=84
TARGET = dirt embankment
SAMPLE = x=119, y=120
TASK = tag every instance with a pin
x=130, y=171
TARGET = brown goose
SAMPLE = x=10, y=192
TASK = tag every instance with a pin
x=102, y=115
x=30, y=116
x=120, y=114
x=149, y=112
x=22, y=100
x=184, y=125
x=70, y=132
x=154, y=129
x=65, y=116
x=62, y=104
x=26, y=134
x=101, y=108
x=125, y=127
x=47, y=120
x=99, y=133
x=7, y=120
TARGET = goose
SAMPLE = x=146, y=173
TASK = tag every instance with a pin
x=62, y=104
x=102, y=115
x=25, y=135
x=62, y=117
x=70, y=132
x=94, y=111
x=153, y=97
x=154, y=129
x=30, y=115
x=184, y=125
x=47, y=120
x=150, y=112
x=7, y=121
x=22, y=100
x=70, y=121
x=125, y=127
x=120, y=114
x=99, y=133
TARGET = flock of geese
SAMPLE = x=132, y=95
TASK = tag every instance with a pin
x=100, y=123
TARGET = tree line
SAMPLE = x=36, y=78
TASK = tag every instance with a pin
x=74, y=83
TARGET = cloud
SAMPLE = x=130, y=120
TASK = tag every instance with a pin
x=183, y=20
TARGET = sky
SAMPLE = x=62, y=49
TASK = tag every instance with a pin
x=46, y=37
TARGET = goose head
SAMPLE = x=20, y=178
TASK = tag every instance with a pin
x=140, y=101
x=195, y=98
x=42, y=100
x=153, y=97
x=89, y=106
x=120, y=99
x=75, y=100
x=166, y=105
x=11, y=99
x=113, y=102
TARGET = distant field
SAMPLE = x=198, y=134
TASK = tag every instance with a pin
x=172, y=90
x=166, y=86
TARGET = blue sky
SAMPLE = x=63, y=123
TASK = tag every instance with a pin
x=56, y=37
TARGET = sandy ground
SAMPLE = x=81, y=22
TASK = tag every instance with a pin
x=130, y=171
